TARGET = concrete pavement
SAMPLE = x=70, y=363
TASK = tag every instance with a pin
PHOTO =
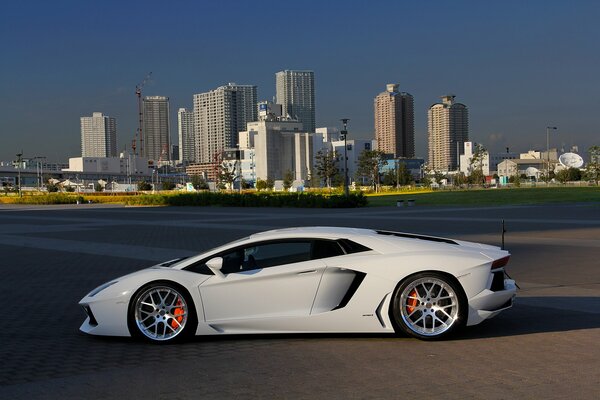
x=546, y=346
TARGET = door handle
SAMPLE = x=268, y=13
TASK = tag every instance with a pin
x=312, y=271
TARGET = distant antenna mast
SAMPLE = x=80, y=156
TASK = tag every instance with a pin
x=138, y=93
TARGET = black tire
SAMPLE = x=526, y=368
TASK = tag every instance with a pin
x=429, y=306
x=162, y=312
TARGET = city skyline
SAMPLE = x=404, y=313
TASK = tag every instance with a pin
x=519, y=67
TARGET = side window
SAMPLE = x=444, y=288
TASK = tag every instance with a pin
x=233, y=261
x=199, y=267
x=351, y=247
x=326, y=248
x=275, y=253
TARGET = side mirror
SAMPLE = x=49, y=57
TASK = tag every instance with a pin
x=215, y=265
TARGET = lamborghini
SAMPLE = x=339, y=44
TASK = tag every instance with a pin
x=309, y=280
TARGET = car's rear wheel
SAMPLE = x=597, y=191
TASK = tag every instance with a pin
x=428, y=305
x=161, y=312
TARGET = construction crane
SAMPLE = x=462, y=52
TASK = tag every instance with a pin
x=138, y=93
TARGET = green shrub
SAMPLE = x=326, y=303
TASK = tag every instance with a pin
x=305, y=200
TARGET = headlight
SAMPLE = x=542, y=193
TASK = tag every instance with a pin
x=101, y=288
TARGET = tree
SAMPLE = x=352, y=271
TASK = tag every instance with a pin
x=476, y=175
x=199, y=183
x=288, y=179
x=574, y=174
x=404, y=175
x=98, y=187
x=270, y=183
x=370, y=163
x=438, y=177
x=399, y=176
x=562, y=176
x=515, y=180
x=246, y=184
x=166, y=185
x=143, y=185
x=389, y=178
x=326, y=165
x=264, y=184
x=51, y=187
x=227, y=174
x=593, y=167
x=261, y=184
x=460, y=179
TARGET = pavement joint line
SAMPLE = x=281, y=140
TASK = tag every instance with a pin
x=95, y=248
x=589, y=222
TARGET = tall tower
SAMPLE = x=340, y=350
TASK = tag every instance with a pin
x=395, y=122
x=98, y=136
x=219, y=115
x=295, y=91
x=448, y=129
x=185, y=128
x=156, y=131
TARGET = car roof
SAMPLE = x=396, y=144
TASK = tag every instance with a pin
x=379, y=240
x=329, y=232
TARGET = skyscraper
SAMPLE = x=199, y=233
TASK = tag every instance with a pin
x=157, y=141
x=98, y=136
x=395, y=122
x=295, y=91
x=185, y=128
x=448, y=129
x=219, y=115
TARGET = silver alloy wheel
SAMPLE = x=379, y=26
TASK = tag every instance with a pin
x=161, y=313
x=429, y=306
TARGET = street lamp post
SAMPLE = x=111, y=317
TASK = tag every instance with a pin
x=39, y=167
x=548, y=128
x=344, y=133
x=19, y=162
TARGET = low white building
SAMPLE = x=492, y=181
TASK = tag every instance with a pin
x=126, y=164
x=530, y=167
x=489, y=163
x=354, y=149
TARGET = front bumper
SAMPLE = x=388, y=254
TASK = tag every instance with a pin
x=105, y=317
x=489, y=303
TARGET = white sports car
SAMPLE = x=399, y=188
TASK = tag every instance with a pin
x=309, y=280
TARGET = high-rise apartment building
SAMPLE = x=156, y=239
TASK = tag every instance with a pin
x=395, y=122
x=185, y=128
x=218, y=117
x=98, y=136
x=295, y=91
x=448, y=129
x=157, y=141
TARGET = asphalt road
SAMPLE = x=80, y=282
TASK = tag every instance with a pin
x=547, y=346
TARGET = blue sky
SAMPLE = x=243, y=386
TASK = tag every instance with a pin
x=518, y=65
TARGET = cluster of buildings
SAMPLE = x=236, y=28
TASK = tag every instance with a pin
x=228, y=127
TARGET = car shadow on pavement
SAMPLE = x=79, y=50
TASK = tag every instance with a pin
x=539, y=315
x=529, y=315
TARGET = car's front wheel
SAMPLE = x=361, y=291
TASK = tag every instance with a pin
x=428, y=305
x=161, y=312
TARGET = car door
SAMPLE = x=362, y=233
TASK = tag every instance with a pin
x=262, y=280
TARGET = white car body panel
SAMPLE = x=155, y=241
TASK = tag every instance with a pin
x=303, y=297
x=262, y=293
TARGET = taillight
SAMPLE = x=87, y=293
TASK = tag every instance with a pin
x=501, y=262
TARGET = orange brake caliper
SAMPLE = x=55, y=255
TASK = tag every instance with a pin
x=178, y=313
x=412, y=301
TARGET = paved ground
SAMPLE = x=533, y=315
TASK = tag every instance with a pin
x=546, y=346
